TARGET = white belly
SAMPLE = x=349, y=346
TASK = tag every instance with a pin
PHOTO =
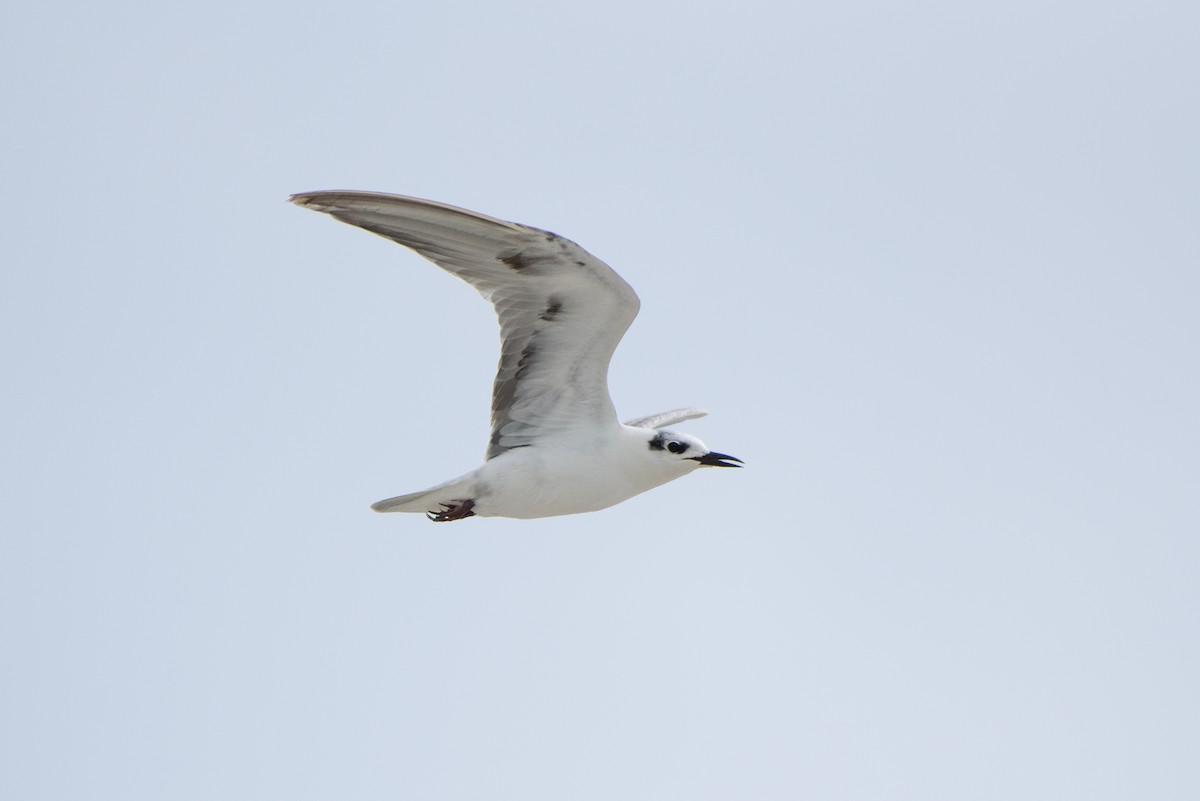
x=539, y=482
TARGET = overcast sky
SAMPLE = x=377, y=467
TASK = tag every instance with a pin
x=933, y=267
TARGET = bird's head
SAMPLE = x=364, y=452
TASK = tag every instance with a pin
x=686, y=452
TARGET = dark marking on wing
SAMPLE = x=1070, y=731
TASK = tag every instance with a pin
x=517, y=261
x=502, y=398
x=504, y=392
x=495, y=442
x=552, y=310
x=526, y=360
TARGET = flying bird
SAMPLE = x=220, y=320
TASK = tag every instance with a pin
x=556, y=446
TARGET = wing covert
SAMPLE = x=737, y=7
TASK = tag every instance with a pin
x=561, y=310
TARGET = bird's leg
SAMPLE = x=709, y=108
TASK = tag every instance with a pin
x=455, y=510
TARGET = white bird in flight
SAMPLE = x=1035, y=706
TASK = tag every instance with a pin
x=556, y=446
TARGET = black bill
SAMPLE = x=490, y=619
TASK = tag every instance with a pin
x=714, y=459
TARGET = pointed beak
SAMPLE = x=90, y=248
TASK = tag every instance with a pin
x=714, y=459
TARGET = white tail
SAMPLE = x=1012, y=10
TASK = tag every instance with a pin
x=430, y=500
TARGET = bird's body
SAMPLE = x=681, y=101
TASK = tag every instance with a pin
x=556, y=446
x=552, y=479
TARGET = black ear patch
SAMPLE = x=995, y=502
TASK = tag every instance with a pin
x=660, y=443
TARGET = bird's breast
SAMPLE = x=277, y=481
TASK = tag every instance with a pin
x=545, y=482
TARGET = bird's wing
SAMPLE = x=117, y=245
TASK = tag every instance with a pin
x=664, y=419
x=562, y=311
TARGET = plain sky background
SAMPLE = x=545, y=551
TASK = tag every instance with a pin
x=933, y=267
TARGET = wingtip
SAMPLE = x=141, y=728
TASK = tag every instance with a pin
x=325, y=198
x=302, y=198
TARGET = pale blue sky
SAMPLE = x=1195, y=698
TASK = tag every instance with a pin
x=934, y=268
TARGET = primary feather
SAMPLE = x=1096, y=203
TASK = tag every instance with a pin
x=562, y=311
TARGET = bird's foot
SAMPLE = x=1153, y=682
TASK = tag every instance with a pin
x=455, y=510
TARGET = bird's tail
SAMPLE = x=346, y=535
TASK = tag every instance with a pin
x=433, y=499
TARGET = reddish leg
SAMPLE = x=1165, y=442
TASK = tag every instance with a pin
x=455, y=510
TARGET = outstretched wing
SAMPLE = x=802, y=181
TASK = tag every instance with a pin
x=562, y=311
x=665, y=419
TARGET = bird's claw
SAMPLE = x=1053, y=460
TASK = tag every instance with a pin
x=455, y=510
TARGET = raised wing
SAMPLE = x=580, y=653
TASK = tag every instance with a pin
x=562, y=311
x=665, y=419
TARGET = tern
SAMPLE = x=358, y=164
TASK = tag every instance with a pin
x=556, y=445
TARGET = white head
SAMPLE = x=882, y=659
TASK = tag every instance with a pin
x=685, y=453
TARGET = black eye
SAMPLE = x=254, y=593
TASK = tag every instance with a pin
x=676, y=447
